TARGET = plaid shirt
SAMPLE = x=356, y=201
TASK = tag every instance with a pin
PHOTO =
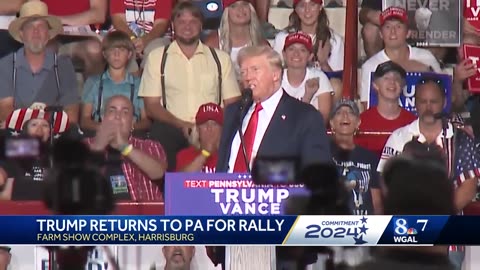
x=140, y=186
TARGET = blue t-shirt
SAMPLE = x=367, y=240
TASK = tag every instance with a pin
x=358, y=168
x=91, y=92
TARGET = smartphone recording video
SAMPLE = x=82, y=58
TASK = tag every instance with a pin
x=275, y=171
x=22, y=148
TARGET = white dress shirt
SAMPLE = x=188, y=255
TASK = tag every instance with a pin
x=264, y=117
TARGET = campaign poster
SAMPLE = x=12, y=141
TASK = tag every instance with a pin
x=471, y=10
x=432, y=22
x=473, y=53
x=407, y=97
x=219, y=194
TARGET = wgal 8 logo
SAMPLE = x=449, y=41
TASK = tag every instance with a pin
x=405, y=234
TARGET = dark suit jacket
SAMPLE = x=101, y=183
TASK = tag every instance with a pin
x=296, y=130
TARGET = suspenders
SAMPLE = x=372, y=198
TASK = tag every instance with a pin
x=55, y=68
x=100, y=99
x=162, y=74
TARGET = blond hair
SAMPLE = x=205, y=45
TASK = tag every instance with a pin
x=255, y=31
x=272, y=56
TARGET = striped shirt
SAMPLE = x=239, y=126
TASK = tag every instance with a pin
x=141, y=14
x=140, y=186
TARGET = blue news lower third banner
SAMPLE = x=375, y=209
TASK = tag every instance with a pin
x=235, y=230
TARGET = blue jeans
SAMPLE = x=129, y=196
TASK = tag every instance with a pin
x=457, y=258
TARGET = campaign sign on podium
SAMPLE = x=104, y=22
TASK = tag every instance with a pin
x=407, y=97
x=225, y=194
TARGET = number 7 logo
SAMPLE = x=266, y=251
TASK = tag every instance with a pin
x=424, y=222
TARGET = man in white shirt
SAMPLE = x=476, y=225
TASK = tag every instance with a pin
x=459, y=150
x=394, y=32
x=274, y=124
x=307, y=84
x=8, y=11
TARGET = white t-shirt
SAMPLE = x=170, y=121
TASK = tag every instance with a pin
x=400, y=137
x=234, y=56
x=337, y=54
x=324, y=85
x=421, y=55
x=5, y=21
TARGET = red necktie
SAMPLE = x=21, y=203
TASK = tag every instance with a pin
x=248, y=138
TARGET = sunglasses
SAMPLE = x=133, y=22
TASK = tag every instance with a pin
x=434, y=80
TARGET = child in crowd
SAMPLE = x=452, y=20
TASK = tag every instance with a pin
x=118, y=49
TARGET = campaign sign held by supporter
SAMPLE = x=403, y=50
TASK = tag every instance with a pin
x=225, y=194
x=407, y=97
x=473, y=53
x=432, y=23
x=471, y=10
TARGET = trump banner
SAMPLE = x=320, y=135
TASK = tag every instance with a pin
x=473, y=53
x=471, y=10
x=407, y=97
x=432, y=22
x=225, y=194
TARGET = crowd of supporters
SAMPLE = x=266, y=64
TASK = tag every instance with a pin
x=154, y=86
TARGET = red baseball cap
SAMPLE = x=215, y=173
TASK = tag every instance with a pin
x=320, y=2
x=394, y=13
x=227, y=3
x=299, y=37
x=209, y=111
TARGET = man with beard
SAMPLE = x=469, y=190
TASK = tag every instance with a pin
x=34, y=74
x=180, y=77
x=433, y=130
x=178, y=257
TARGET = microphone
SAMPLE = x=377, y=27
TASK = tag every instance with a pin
x=247, y=98
x=245, y=103
x=52, y=110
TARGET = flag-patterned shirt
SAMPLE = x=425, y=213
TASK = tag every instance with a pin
x=140, y=186
x=141, y=14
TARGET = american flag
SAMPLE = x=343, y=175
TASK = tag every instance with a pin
x=467, y=163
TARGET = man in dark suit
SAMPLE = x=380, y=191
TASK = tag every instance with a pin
x=275, y=124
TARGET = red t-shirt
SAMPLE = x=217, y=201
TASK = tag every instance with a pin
x=142, y=12
x=65, y=8
x=187, y=155
x=373, y=121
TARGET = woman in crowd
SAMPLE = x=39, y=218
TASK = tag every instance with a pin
x=239, y=27
x=27, y=161
x=310, y=17
x=357, y=166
